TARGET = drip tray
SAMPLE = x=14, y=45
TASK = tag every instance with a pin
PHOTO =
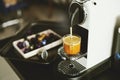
x=70, y=68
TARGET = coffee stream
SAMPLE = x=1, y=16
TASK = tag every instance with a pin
x=71, y=32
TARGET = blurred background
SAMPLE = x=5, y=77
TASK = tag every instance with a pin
x=44, y=10
x=11, y=11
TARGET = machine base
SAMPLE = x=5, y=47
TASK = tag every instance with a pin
x=92, y=72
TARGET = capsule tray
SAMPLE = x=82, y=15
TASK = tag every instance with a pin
x=33, y=44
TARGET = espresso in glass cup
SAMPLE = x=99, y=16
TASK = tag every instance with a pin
x=71, y=44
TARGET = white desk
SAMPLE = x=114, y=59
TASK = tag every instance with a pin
x=6, y=72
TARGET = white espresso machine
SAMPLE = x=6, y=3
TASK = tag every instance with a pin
x=100, y=18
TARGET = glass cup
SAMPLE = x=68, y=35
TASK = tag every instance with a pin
x=71, y=44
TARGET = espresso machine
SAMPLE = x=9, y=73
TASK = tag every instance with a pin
x=100, y=18
x=95, y=21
